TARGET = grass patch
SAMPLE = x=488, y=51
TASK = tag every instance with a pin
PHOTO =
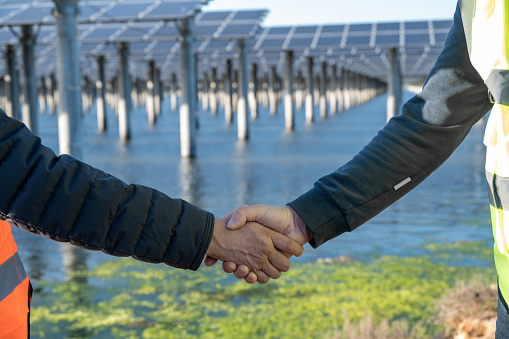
x=125, y=298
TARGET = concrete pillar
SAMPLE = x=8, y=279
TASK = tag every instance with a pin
x=205, y=100
x=347, y=97
x=323, y=91
x=242, y=85
x=100, y=86
x=253, y=91
x=289, y=106
x=42, y=95
x=333, y=101
x=310, y=105
x=213, y=91
x=68, y=78
x=173, y=92
x=150, y=99
x=29, y=110
x=124, y=93
x=12, y=84
x=188, y=91
x=272, y=91
x=228, y=110
x=394, y=85
x=340, y=90
x=158, y=95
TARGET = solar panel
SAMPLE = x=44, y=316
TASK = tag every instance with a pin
x=250, y=15
x=387, y=40
x=360, y=28
x=419, y=39
x=333, y=29
x=417, y=25
x=357, y=40
x=300, y=42
x=387, y=26
x=306, y=30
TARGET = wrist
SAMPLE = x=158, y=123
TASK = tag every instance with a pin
x=300, y=225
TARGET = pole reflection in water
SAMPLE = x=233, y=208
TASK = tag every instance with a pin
x=241, y=169
x=74, y=261
x=190, y=180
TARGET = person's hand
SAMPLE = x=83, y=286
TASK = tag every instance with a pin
x=254, y=246
x=282, y=219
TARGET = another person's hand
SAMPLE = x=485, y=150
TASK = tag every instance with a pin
x=282, y=219
x=254, y=247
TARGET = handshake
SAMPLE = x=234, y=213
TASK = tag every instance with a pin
x=256, y=242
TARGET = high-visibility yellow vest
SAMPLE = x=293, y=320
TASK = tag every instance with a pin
x=15, y=289
x=486, y=26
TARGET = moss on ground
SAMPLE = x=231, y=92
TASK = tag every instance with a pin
x=125, y=298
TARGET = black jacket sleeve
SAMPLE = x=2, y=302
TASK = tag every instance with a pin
x=64, y=199
x=406, y=151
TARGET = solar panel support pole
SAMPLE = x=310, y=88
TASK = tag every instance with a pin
x=213, y=91
x=333, y=101
x=173, y=92
x=100, y=86
x=289, y=105
x=42, y=95
x=394, y=84
x=157, y=91
x=12, y=83
x=253, y=91
x=323, y=91
x=340, y=90
x=29, y=110
x=272, y=91
x=124, y=93
x=68, y=78
x=310, y=105
x=188, y=91
x=150, y=100
x=346, y=90
x=228, y=92
x=242, y=86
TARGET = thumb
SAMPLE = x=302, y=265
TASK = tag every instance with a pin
x=238, y=217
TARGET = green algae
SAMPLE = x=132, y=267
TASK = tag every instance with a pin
x=124, y=298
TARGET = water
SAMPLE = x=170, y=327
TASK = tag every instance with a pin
x=273, y=167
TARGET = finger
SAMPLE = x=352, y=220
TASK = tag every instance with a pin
x=286, y=244
x=241, y=215
x=279, y=261
x=209, y=261
x=262, y=277
x=271, y=271
x=229, y=267
x=251, y=278
x=241, y=272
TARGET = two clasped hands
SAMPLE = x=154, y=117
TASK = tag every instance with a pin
x=256, y=242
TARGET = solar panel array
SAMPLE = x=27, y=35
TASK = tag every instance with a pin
x=151, y=28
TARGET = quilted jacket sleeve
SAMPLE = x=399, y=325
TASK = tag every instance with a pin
x=406, y=151
x=64, y=199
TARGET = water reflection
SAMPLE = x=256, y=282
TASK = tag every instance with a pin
x=190, y=181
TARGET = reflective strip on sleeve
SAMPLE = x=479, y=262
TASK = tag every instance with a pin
x=12, y=273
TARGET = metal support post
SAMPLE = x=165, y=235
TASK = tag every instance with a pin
x=188, y=90
x=310, y=106
x=124, y=93
x=289, y=106
x=101, y=92
x=68, y=78
x=242, y=83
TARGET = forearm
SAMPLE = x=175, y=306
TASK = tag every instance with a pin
x=67, y=200
x=409, y=148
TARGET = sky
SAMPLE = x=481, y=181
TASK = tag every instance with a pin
x=309, y=12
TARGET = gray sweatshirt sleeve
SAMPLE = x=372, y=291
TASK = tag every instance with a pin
x=67, y=200
x=410, y=147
